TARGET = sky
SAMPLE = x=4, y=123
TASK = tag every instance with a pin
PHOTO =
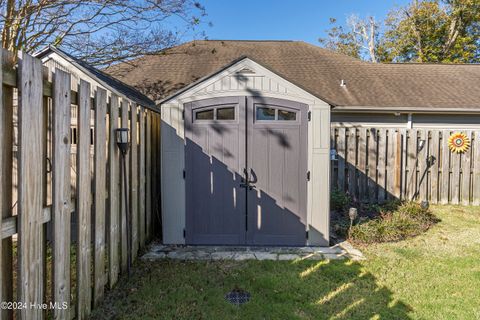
x=304, y=20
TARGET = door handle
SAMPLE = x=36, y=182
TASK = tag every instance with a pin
x=255, y=178
x=246, y=182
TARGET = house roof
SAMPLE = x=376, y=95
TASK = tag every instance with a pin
x=103, y=78
x=317, y=70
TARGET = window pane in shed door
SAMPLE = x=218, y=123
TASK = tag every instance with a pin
x=287, y=115
x=265, y=113
x=204, y=115
x=226, y=113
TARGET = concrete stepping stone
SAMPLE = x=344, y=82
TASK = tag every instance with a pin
x=266, y=256
x=222, y=255
x=244, y=256
x=288, y=256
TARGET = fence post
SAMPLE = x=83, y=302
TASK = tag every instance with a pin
x=31, y=179
x=61, y=206
x=100, y=190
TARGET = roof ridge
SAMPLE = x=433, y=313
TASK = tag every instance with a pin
x=245, y=40
x=431, y=63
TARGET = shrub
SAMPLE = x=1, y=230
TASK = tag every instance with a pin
x=339, y=200
x=393, y=224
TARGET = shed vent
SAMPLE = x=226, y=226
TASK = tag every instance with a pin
x=246, y=71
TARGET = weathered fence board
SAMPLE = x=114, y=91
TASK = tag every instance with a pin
x=412, y=158
x=396, y=166
x=455, y=181
x=113, y=194
x=341, y=158
x=476, y=169
x=382, y=149
x=100, y=194
x=372, y=165
x=351, y=162
x=421, y=187
x=362, y=164
x=390, y=164
x=134, y=178
x=141, y=177
x=124, y=186
x=30, y=184
x=6, y=167
x=84, y=203
x=465, y=167
x=148, y=165
x=435, y=153
x=54, y=165
x=445, y=182
x=61, y=192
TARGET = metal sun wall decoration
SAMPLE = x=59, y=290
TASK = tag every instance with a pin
x=458, y=142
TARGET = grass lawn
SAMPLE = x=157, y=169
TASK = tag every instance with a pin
x=433, y=276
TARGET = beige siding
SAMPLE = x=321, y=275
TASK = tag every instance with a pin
x=340, y=119
x=448, y=121
x=391, y=120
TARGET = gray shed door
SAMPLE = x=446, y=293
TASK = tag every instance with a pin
x=246, y=166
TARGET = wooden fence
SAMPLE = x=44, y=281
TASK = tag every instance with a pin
x=374, y=165
x=71, y=274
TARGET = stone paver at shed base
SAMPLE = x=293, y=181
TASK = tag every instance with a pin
x=342, y=250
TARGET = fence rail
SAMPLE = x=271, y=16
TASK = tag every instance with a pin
x=76, y=194
x=375, y=165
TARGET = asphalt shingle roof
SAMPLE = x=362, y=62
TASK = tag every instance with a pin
x=102, y=77
x=315, y=69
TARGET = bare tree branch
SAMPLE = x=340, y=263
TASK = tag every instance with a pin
x=100, y=31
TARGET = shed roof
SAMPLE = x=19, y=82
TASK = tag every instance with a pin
x=317, y=70
x=103, y=78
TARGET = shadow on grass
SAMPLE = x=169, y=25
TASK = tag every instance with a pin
x=279, y=289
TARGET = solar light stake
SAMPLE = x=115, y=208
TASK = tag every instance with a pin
x=352, y=214
x=123, y=143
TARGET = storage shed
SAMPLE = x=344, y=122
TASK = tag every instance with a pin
x=245, y=161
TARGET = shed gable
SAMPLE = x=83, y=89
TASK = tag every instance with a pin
x=245, y=77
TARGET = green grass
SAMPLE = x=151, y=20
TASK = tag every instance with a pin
x=433, y=276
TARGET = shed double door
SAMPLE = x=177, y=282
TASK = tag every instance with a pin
x=246, y=171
